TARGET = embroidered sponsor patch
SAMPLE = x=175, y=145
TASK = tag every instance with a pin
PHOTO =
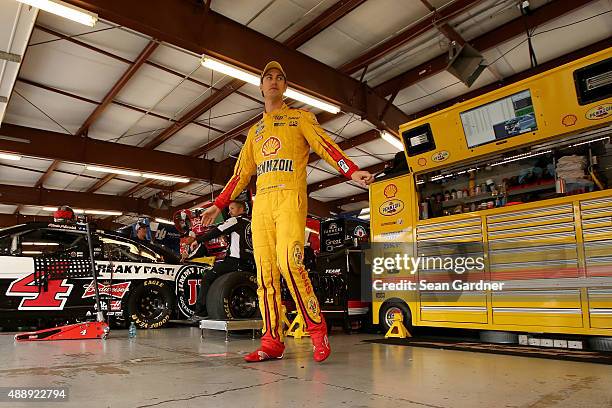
x=298, y=256
x=271, y=146
x=313, y=306
x=343, y=166
x=275, y=165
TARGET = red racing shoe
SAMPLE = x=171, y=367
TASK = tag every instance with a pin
x=321, y=348
x=269, y=350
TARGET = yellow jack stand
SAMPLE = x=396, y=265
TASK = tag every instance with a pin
x=297, y=329
x=397, y=329
x=286, y=322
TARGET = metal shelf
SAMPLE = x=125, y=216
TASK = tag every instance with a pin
x=486, y=196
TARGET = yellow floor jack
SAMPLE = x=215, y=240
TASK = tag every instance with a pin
x=297, y=328
x=397, y=329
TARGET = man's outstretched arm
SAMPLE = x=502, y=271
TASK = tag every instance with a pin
x=329, y=151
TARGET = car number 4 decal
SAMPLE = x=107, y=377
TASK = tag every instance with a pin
x=36, y=298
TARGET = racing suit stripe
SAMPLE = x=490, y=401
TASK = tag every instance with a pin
x=322, y=145
x=267, y=322
x=298, y=296
x=276, y=314
x=243, y=171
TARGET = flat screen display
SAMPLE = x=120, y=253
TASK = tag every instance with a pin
x=504, y=118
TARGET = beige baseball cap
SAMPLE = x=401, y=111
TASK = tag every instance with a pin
x=273, y=64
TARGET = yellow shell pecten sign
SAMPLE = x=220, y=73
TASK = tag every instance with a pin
x=390, y=191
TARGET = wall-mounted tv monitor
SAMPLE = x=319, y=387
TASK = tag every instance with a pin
x=501, y=119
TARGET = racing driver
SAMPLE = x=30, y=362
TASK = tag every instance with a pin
x=277, y=150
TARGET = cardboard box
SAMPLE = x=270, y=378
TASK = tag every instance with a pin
x=560, y=343
x=534, y=342
x=523, y=339
x=546, y=343
x=575, y=344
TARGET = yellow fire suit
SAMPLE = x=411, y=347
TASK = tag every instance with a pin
x=277, y=150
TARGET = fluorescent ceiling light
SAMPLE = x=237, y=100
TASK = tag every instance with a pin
x=590, y=141
x=113, y=170
x=309, y=100
x=166, y=178
x=90, y=212
x=64, y=10
x=364, y=217
x=8, y=156
x=164, y=221
x=103, y=212
x=392, y=140
x=364, y=211
x=31, y=252
x=520, y=157
x=40, y=243
x=222, y=67
x=226, y=69
x=137, y=174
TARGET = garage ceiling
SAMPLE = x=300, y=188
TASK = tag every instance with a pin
x=123, y=84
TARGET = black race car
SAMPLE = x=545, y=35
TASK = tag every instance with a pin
x=143, y=283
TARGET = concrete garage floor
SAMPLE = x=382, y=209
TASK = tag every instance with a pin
x=173, y=368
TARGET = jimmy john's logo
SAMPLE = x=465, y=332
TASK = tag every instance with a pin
x=440, y=156
x=391, y=207
x=599, y=112
x=275, y=165
x=271, y=146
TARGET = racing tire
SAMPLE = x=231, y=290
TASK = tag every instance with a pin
x=600, y=343
x=151, y=303
x=388, y=309
x=233, y=296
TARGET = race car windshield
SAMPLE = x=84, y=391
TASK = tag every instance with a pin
x=126, y=251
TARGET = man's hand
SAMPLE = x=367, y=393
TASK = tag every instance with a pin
x=362, y=177
x=210, y=214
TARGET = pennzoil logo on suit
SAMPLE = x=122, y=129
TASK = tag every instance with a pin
x=275, y=165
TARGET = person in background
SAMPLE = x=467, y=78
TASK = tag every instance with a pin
x=239, y=253
x=141, y=233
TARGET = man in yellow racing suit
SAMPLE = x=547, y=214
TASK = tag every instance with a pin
x=277, y=150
